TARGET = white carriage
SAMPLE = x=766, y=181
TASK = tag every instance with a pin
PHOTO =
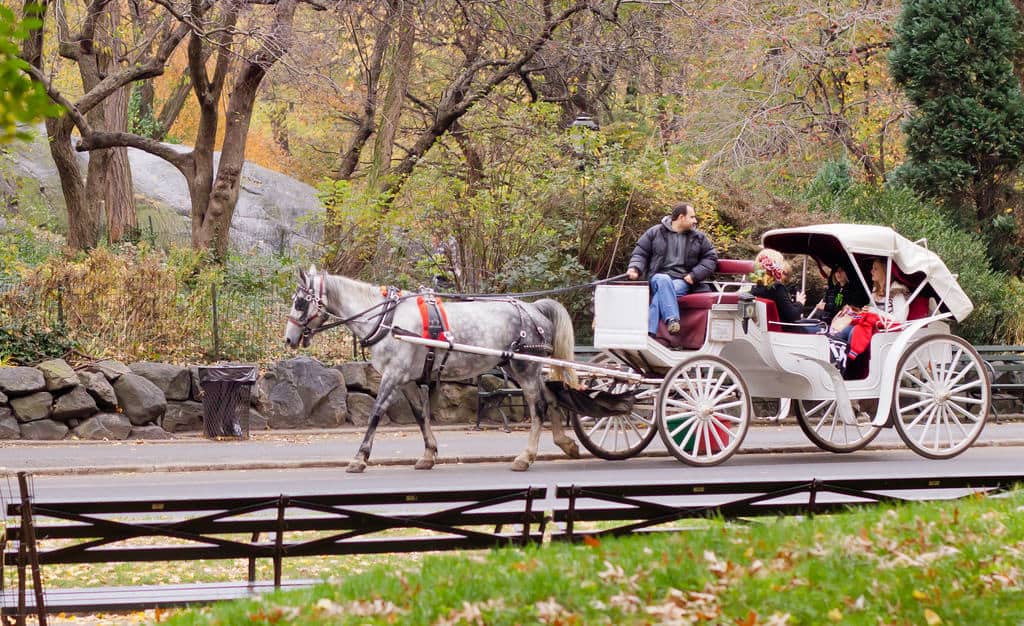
x=927, y=383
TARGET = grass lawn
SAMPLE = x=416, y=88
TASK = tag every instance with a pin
x=928, y=563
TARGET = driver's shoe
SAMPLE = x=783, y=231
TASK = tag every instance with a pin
x=672, y=326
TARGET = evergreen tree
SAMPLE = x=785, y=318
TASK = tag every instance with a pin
x=965, y=140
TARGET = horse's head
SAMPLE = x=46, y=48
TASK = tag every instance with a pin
x=308, y=309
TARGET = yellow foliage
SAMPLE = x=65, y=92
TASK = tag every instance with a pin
x=135, y=306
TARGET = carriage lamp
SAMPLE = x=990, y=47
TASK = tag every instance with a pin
x=747, y=308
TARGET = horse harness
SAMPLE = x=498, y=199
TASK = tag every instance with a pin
x=435, y=325
x=385, y=319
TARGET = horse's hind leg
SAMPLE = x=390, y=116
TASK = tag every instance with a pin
x=380, y=405
x=562, y=440
x=423, y=419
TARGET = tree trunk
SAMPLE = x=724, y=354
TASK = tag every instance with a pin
x=398, y=83
x=83, y=223
x=146, y=97
x=215, y=223
x=367, y=121
x=122, y=218
x=172, y=107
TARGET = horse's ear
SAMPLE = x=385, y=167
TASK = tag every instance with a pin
x=312, y=270
x=302, y=277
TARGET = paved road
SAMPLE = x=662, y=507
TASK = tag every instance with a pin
x=333, y=449
x=983, y=460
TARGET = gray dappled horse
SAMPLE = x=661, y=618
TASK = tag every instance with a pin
x=543, y=327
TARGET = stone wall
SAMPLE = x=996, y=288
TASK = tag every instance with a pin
x=113, y=401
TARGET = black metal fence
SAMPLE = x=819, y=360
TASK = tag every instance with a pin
x=96, y=532
x=149, y=320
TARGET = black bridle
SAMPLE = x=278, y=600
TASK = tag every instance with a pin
x=306, y=295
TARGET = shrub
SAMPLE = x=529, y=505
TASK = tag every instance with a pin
x=135, y=303
x=25, y=344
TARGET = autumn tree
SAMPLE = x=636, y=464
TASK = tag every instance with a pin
x=104, y=74
x=252, y=48
x=789, y=80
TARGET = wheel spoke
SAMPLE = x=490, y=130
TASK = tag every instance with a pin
x=718, y=385
x=971, y=416
x=925, y=368
x=716, y=420
x=928, y=399
x=597, y=424
x=730, y=391
x=604, y=433
x=962, y=388
x=729, y=405
x=828, y=413
x=685, y=424
x=953, y=363
x=914, y=379
x=736, y=419
x=967, y=400
x=920, y=415
x=927, y=424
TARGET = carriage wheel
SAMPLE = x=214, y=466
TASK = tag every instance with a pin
x=617, y=437
x=703, y=410
x=822, y=424
x=941, y=398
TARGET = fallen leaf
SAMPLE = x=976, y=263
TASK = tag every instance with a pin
x=835, y=615
x=932, y=618
x=919, y=595
x=593, y=542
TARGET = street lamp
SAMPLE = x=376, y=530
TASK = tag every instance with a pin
x=584, y=123
x=579, y=129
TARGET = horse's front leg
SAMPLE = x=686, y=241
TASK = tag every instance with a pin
x=380, y=405
x=423, y=418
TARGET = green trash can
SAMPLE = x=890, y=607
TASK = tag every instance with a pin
x=226, y=391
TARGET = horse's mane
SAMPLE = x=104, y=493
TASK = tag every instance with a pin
x=358, y=294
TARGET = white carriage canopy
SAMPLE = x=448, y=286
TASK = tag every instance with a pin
x=832, y=245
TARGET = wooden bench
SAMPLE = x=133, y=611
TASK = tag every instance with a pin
x=1003, y=362
x=498, y=393
x=276, y=528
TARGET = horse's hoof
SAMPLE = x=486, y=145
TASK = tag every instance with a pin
x=356, y=467
x=570, y=449
x=424, y=464
x=520, y=465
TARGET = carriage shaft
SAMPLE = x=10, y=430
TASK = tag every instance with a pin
x=579, y=367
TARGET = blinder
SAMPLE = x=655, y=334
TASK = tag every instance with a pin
x=306, y=295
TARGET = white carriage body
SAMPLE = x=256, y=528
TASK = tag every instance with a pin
x=792, y=365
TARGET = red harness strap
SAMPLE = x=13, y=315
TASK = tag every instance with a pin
x=435, y=319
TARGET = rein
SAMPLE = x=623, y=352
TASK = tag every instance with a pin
x=528, y=294
x=393, y=298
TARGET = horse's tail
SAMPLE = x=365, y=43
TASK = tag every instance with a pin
x=563, y=340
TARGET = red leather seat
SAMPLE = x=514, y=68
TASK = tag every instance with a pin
x=693, y=319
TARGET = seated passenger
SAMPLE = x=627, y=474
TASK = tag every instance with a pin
x=840, y=293
x=772, y=270
x=884, y=312
x=675, y=257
